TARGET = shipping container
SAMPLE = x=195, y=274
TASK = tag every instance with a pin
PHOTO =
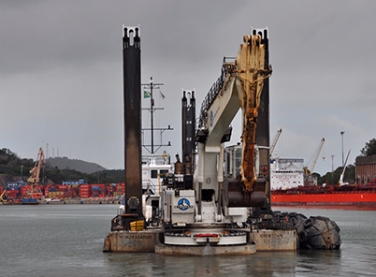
x=85, y=186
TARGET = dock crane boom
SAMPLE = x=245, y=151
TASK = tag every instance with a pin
x=35, y=171
x=309, y=170
x=275, y=141
x=343, y=170
x=2, y=197
x=317, y=155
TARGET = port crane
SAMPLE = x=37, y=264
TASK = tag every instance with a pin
x=340, y=182
x=3, y=196
x=274, y=143
x=35, y=171
x=308, y=178
x=205, y=207
x=35, y=191
x=309, y=170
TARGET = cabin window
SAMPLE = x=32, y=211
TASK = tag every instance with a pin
x=164, y=171
x=154, y=174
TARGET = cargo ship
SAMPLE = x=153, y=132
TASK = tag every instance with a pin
x=291, y=186
x=345, y=196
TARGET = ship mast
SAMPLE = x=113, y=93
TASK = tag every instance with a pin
x=149, y=94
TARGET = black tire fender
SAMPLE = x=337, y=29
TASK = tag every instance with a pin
x=336, y=226
x=323, y=218
x=303, y=236
x=308, y=223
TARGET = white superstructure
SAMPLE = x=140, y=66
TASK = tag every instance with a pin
x=286, y=173
x=153, y=172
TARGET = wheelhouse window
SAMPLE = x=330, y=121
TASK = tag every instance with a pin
x=154, y=174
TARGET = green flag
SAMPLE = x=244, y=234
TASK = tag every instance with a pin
x=147, y=94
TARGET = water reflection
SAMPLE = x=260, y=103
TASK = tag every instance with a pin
x=260, y=264
x=67, y=241
x=326, y=262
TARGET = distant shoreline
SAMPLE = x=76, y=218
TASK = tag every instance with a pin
x=76, y=201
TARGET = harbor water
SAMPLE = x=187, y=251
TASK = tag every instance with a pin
x=67, y=240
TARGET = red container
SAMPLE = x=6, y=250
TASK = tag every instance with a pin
x=68, y=194
x=63, y=188
x=11, y=193
x=85, y=186
x=85, y=195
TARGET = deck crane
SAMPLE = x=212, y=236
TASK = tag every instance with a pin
x=205, y=207
x=275, y=141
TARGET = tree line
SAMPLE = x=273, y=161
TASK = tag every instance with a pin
x=16, y=169
x=13, y=166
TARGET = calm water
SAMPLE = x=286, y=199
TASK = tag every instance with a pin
x=67, y=240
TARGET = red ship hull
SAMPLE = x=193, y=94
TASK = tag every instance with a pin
x=363, y=198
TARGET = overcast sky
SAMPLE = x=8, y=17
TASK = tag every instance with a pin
x=61, y=79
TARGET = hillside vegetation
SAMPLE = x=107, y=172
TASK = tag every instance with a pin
x=57, y=170
x=78, y=165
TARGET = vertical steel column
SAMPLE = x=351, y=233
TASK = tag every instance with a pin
x=263, y=125
x=132, y=119
x=184, y=129
x=188, y=130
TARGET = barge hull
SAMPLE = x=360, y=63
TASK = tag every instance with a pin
x=148, y=241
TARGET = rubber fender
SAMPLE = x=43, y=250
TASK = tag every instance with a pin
x=321, y=234
x=301, y=215
x=336, y=226
x=303, y=236
x=308, y=223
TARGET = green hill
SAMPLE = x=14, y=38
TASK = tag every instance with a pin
x=78, y=165
x=14, y=169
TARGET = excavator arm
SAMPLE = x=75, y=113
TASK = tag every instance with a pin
x=243, y=81
x=251, y=72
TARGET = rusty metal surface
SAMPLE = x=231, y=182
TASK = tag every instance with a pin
x=148, y=242
x=251, y=71
x=130, y=241
x=235, y=194
x=270, y=240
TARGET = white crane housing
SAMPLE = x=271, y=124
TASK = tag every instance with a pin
x=202, y=208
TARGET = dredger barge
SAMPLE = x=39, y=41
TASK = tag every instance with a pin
x=201, y=210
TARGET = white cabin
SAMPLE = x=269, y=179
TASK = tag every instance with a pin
x=286, y=173
x=152, y=175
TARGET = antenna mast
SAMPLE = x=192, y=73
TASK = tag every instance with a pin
x=150, y=147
